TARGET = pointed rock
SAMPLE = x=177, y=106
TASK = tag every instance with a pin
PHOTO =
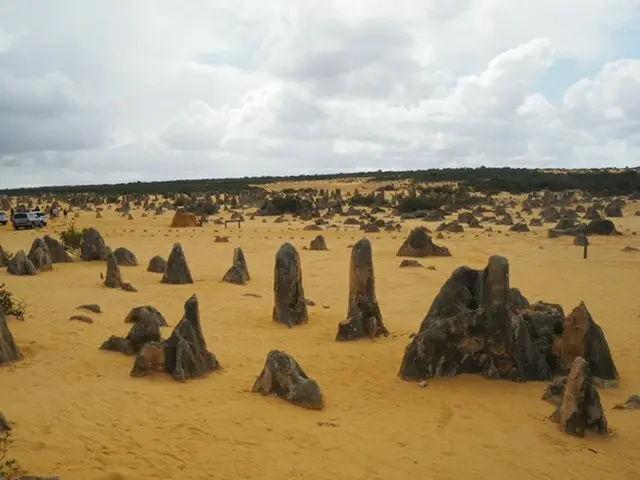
x=290, y=308
x=177, y=271
x=239, y=272
x=40, y=255
x=113, y=278
x=318, y=243
x=21, y=265
x=363, y=314
x=157, y=265
x=93, y=246
x=58, y=252
x=419, y=244
x=284, y=378
x=9, y=351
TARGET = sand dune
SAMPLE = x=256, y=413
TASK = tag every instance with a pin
x=77, y=413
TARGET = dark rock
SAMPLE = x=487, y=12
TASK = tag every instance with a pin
x=536, y=222
x=146, y=314
x=125, y=257
x=150, y=359
x=289, y=308
x=139, y=334
x=318, y=243
x=4, y=425
x=4, y=258
x=632, y=403
x=410, y=263
x=283, y=377
x=452, y=227
x=93, y=246
x=238, y=274
x=581, y=240
x=613, y=210
x=601, y=227
x=583, y=337
x=580, y=408
x=157, y=265
x=177, y=271
x=21, y=265
x=628, y=249
x=519, y=227
x=127, y=287
x=9, y=351
x=363, y=313
x=40, y=255
x=58, y=253
x=81, y=318
x=113, y=279
x=92, y=307
x=419, y=244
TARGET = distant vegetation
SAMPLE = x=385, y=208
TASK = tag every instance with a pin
x=72, y=238
x=482, y=180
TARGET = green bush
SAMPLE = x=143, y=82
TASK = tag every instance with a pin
x=9, y=304
x=72, y=238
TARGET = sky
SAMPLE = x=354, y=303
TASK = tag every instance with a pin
x=119, y=90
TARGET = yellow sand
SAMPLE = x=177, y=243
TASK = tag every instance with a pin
x=77, y=413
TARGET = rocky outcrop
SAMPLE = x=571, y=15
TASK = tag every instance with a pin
x=40, y=255
x=19, y=264
x=157, y=265
x=9, y=351
x=125, y=257
x=601, y=227
x=177, y=271
x=318, y=243
x=146, y=314
x=93, y=246
x=58, y=253
x=419, y=244
x=139, y=334
x=363, y=313
x=113, y=278
x=576, y=397
x=289, y=307
x=283, y=377
x=239, y=272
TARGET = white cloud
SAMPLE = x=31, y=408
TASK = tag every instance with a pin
x=118, y=91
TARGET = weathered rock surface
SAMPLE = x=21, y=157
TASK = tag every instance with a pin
x=289, y=308
x=125, y=257
x=283, y=377
x=177, y=271
x=146, y=314
x=4, y=258
x=21, y=265
x=113, y=278
x=9, y=351
x=150, y=360
x=318, y=243
x=632, y=403
x=406, y=263
x=58, y=253
x=81, y=318
x=4, y=425
x=92, y=307
x=419, y=244
x=478, y=324
x=577, y=400
x=157, y=265
x=40, y=255
x=364, y=318
x=139, y=334
x=93, y=246
x=239, y=272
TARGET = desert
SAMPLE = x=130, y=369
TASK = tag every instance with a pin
x=80, y=411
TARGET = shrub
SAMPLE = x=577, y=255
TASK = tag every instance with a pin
x=9, y=467
x=9, y=304
x=72, y=238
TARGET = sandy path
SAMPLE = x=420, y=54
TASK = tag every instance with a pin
x=77, y=413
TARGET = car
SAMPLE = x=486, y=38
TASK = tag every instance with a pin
x=4, y=218
x=42, y=216
x=27, y=220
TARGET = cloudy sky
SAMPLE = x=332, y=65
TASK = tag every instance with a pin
x=96, y=91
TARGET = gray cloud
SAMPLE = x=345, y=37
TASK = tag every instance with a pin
x=121, y=91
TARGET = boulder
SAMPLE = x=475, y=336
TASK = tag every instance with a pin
x=318, y=243
x=601, y=227
x=125, y=257
x=419, y=244
x=58, y=253
x=157, y=265
x=139, y=334
x=284, y=378
x=239, y=272
x=113, y=278
x=177, y=271
x=21, y=265
x=40, y=255
x=289, y=306
x=182, y=219
x=146, y=314
x=9, y=351
x=364, y=318
x=93, y=246
x=407, y=263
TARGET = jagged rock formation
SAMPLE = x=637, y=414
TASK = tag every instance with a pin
x=583, y=337
x=40, y=255
x=113, y=279
x=58, y=252
x=93, y=246
x=9, y=351
x=146, y=314
x=577, y=400
x=478, y=324
x=139, y=334
x=318, y=243
x=290, y=308
x=283, y=377
x=239, y=272
x=157, y=265
x=150, y=360
x=125, y=257
x=183, y=219
x=177, y=271
x=21, y=265
x=363, y=313
x=419, y=244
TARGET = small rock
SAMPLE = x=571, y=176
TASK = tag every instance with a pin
x=4, y=425
x=632, y=403
x=423, y=384
x=82, y=318
x=92, y=307
x=309, y=302
x=127, y=287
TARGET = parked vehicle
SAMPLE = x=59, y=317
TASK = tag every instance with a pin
x=4, y=218
x=27, y=220
x=42, y=216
